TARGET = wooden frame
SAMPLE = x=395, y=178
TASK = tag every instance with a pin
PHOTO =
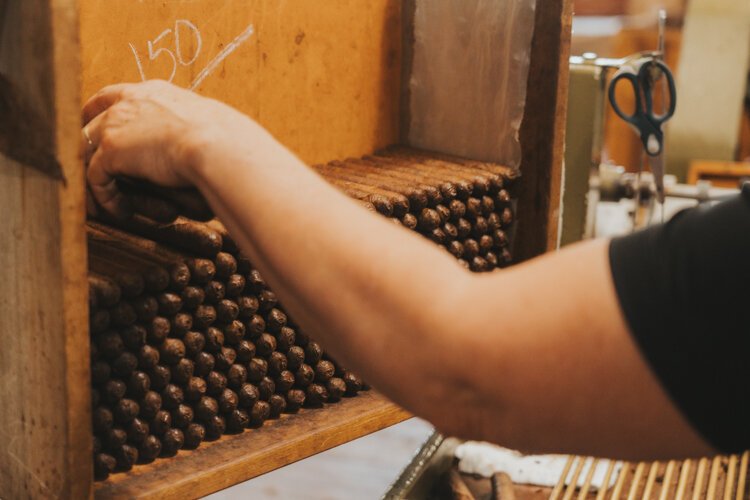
x=44, y=363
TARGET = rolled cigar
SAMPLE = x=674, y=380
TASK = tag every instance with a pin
x=235, y=286
x=336, y=388
x=494, y=222
x=313, y=353
x=126, y=457
x=275, y=320
x=485, y=244
x=100, y=373
x=473, y=208
x=236, y=376
x=429, y=220
x=226, y=265
x=146, y=308
x=315, y=395
x=228, y=401
x=204, y=316
x=161, y=423
x=204, y=364
x=353, y=383
x=505, y=257
x=450, y=184
x=503, y=199
x=255, y=326
x=148, y=357
x=149, y=449
x=464, y=228
x=124, y=364
x=225, y=358
x=122, y=314
x=156, y=279
x=182, y=416
x=492, y=260
x=137, y=431
x=444, y=213
x=277, y=405
x=214, y=291
x=255, y=282
x=266, y=387
x=195, y=389
x=172, y=442
x=202, y=270
x=266, y=300
x=125, y=410
x=247, y=395
x=215, y=427
x=479, y=265
x=284, y=381
x=410, y=221
x=304, y=376
x=150, y=405
x=384, y=169
x=192, y=297
x=216, y=383
x=277, y=363
x=438, y=236
x=160, y=376
x=257, y=369
x=324, y=371
x=131, y=284
x=481, y=227
x=102, y=419
x=194, y=435
x=114, y=438
x=237, y=421
x=338, y=176
x=109, y=344
x=214, y=340
x=506, y=217
x=99, y=321
x=139, y=384
x=169, y=303
x=471, y=249
x=259, y=413
x=127, y=249
x=229, y=244
x=158, y=330
x=182, y=323
x=133, y=337
x=104, y=465
x=172, y=396
x=295, y=398
x=500, y=239
x=227, y=311
x=179, y=276
x=248, y=306
x=182, y=371
x=234, y=332
x=245, y=351
x=206, y=408
x=295, y=357
x=285, y=339
x=265, y=344
x=106, y=291
x=488, y=205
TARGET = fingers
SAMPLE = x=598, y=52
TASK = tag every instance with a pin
x=101, y=177
x=103, y=100
x=91, y=135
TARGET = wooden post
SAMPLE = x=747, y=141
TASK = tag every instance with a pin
x=44, y=359
x=543, y=130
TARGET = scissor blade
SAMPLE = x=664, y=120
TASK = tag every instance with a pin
x=657, y=169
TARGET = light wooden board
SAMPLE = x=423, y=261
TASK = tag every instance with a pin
x=233, y=459
x=323, y=77
x=44, y=359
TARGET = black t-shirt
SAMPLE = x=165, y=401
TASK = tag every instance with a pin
x=684, y=288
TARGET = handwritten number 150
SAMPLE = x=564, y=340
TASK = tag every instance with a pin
x=176, y=55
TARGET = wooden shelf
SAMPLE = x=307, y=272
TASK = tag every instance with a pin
x=234, y=459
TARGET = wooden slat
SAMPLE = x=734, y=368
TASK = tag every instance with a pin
x=542, y=132
x=233, y=459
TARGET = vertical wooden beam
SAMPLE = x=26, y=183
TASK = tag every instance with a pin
x=543, y=130
x=44, y=355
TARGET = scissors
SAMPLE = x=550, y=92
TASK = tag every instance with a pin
x=643, y=74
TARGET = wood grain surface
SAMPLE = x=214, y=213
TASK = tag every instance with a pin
x=45, y=423
x=323, y=77
x=233, y=459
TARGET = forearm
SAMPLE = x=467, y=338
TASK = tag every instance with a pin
x=378, y=296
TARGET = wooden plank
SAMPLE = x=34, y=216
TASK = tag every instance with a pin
x=543, y=131
x=233, y=459
x=44, y=360
x=323, y=78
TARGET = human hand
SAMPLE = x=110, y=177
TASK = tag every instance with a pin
x=153, y=131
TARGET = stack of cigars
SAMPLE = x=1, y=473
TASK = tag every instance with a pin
x=188, y=343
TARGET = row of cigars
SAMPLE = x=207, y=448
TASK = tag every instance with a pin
x=189, y=343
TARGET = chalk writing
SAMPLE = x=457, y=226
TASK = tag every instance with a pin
x=176, y=53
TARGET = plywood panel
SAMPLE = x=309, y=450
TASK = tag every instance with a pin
x=323, y=77
x=44, y=415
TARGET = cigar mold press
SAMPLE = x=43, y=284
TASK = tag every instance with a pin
x=147, y=358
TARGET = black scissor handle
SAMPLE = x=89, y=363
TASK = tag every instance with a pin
x=648, y=91
x=626, y=74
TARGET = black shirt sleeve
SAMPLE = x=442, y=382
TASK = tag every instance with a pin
x=684, y=288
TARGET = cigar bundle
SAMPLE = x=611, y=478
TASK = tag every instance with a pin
x=187, y=341
x=465, y=206
x=186, y=349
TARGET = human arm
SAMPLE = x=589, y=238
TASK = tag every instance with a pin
x=537, y=357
